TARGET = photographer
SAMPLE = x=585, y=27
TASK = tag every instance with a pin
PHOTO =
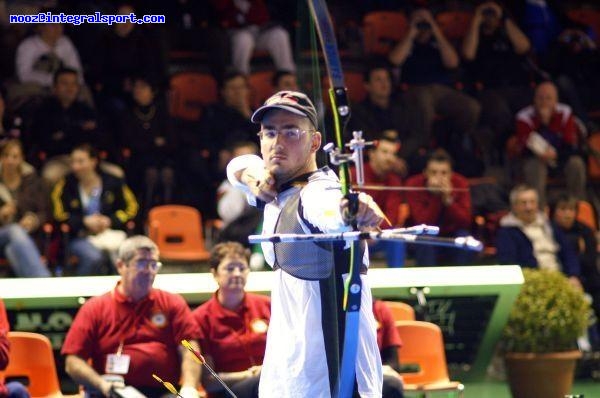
x=426, y=59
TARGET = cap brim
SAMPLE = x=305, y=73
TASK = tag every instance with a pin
x=258, y=115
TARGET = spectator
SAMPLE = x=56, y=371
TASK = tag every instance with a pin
x=133, y=331
x=96, y=206
x=527, y=238
x=239, y=218
x=23, y=210
x=426, y=59
x=382, y=111
x=12, y=389
x=443, y=201
x=583, y=239
x=496, y=53
x=250, y=26
x=383, y=169
x=547, y=143
x=388, y=341
x=233, y=325
x=284, y=80
x=147, y=132
x=40, y=56
x=60, y=123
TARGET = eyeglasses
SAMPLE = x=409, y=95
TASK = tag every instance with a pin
x=143, y=264
x=289, y=134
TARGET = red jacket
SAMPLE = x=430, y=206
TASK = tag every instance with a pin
x=4, y=345
x=561, y=131
x=388, y=201
x=232, y=17
x=427, y=208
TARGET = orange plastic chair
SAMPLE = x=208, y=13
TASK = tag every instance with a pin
x=189, y=92
x=586, y=214
x=423, y=345
x=382, y=30
x=31, y=356
x=401, y=311
x=454, y=24
x=260, y=87
x=177, y=230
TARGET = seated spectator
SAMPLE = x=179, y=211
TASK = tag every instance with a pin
x=23, y=209
x=284, y=80
x=250, y=26
x=381, y=110
x=384, y=169
x=388, y=341
x=60, y=123
x=122, y=53
x=96, y=206
x=443, y=201
x=40, y=56
x=12, y=389
x=547, y=143
x=426, y=58
x=239, y=218
x=147, y=131
x=233, y=325
x=583, y=239
x=496, y=53
x=124, y=336
x=527, y=238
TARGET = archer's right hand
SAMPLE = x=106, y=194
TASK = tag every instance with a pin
x=261, y=183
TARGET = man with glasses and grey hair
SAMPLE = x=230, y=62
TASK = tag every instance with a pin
x=298, y=197
x=122, y=337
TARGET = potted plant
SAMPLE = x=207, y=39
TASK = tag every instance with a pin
x=540, y=337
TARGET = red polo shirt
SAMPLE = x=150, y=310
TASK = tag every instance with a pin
x=388, y=201
x=235, y=340
x=387, y=334
x=151, y=331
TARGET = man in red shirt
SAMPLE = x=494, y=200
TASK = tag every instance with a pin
x=547, y=142
x=384, y=169
x=388, y=341
x=444, y=201
x=12, y=389
x=133, y=331
x=233, y=325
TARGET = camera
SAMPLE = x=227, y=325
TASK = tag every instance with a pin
x=488, y=12
x=423, y=25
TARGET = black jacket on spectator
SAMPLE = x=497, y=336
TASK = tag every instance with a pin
x=117, y=202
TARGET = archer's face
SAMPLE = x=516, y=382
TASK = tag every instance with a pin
x=286, y=157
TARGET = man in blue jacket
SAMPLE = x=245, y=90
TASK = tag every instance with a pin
x=527, y=238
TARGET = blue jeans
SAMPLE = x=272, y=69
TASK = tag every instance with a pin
x=429, y=255
x=90, y=257
x=16, y=390
x=21, y=252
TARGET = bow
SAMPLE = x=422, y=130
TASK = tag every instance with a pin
x=341, y=115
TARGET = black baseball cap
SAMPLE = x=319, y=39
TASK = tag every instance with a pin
x=291, y=101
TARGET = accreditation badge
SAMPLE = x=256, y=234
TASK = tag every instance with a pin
x=259, y=326
x=117, y=364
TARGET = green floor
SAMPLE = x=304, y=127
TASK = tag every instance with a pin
x=497, y=389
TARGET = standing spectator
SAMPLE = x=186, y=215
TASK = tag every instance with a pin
x=547, y=143
x=60, y=123
x=96, y=206
x=496, y=53
x=526, y=237
x=12, y=389
x=40, y=56
x=233, y=325
x=250, y=26
x=133, y=331
x=443, y=201
x=147, y=132
x=426, y=58
x=583, y=239
x=388, y=341
x=23, y=209
x=383, y=169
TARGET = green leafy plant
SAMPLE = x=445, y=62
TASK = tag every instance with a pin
x=548, y=315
